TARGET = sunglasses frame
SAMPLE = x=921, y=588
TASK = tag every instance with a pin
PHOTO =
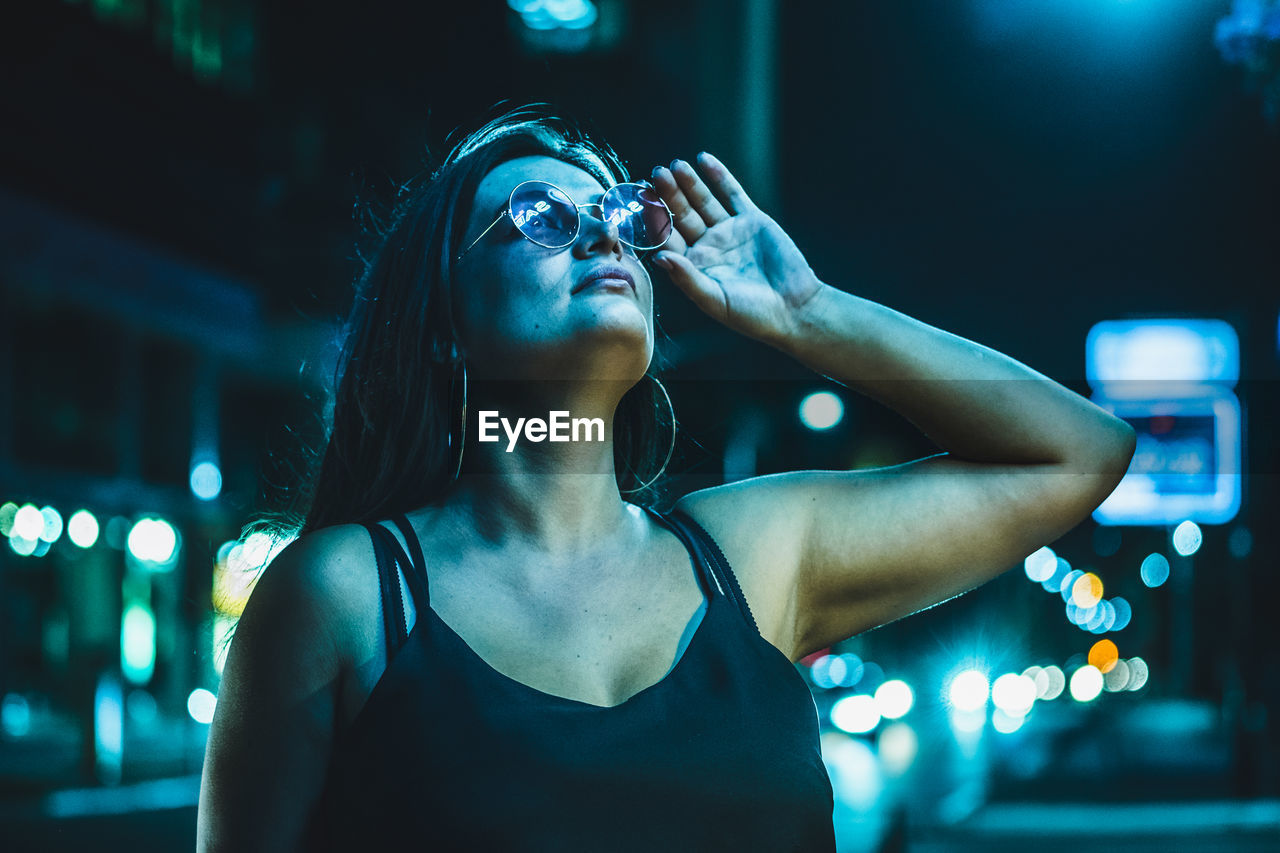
x=506, y=214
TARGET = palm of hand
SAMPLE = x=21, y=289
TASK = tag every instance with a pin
x=757, y=267
x=733, y=260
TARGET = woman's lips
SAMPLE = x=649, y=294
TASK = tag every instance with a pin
x=609, y=283
x=611, y=276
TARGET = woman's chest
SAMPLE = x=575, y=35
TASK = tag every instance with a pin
x=604, y=632
x=600, y=651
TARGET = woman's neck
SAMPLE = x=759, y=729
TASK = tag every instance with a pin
x=538, y=467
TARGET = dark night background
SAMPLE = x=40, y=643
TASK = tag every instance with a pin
x=182, y=185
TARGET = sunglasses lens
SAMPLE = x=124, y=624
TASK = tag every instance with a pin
x=643, y=220
x=544, y=214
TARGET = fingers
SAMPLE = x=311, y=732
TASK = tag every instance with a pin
x=724, y=184
x=697, y=204
x=688, y=221
x=698, y=194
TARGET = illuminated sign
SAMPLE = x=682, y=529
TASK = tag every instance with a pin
x=1171, y=380
x=1186, y=465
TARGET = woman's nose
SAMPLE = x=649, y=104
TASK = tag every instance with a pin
x=596, y=236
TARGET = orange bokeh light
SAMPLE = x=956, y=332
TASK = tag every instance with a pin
x=1104, y=655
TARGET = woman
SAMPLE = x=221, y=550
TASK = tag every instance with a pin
x=559, y=678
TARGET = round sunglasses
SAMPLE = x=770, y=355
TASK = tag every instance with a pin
x=548, y=216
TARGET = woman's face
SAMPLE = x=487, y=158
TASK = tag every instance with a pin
x=520, y=312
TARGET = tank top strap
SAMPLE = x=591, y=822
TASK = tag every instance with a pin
x=416, y=567
x=390, y=556
x=388, y=553
x=709, y=554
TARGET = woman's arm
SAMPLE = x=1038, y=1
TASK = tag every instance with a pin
x=277, y=705
x=1025, y=458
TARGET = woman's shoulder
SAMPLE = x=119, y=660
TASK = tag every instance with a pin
x=326, y=582
x=322, y=562
x=760, y=545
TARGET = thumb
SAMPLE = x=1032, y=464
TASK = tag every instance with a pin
x=693, y=283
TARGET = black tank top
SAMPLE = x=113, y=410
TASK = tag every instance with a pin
x=448, y=753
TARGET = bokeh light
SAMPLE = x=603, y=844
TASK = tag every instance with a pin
x=897, y=746
x=82, y=529
x=853, y=669
x=138, y=643
x=15, y=715
x=1187, y=538
x=1068, y=583
x=1014, y=694
x=1155, y=570
x=1104, y=617
x=201, y=704
x=51, y=528
x=837, y=669
x=1006, y=723
x=1097, y=617
x=206, y=481
x=8, y=511
x=1123, y=613
x=894, y=699
x=855, y=714
x=1038, y=677
x=153, y=540
x=820, y=672
x=1040, y=564
x=1086, y=683
x=23, y=547
x=238, y=566
x=968, y=691
x=1054, y=582
x=108, y=728
x=1075, y=615
x=1103, y=655
x=1138, y=673
x=1056, y=682
x=821, y=410
x=1087, y=590
x=256, y=552
x=28, y=523
x=1117, y=678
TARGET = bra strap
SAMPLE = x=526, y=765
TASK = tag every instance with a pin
x=416, y=568
x=713, y=558
x=384, y=550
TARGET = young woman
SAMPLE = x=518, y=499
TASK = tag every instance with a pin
x=483, y=644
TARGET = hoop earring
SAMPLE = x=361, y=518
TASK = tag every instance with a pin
x=462, y=439
x=670, y=449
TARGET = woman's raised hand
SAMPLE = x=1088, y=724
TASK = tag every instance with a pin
x=728, y=256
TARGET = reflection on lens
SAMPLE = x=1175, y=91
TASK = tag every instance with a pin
x=643, y=220
x=544, y=214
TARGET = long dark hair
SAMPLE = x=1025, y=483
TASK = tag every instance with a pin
x=387, y=448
